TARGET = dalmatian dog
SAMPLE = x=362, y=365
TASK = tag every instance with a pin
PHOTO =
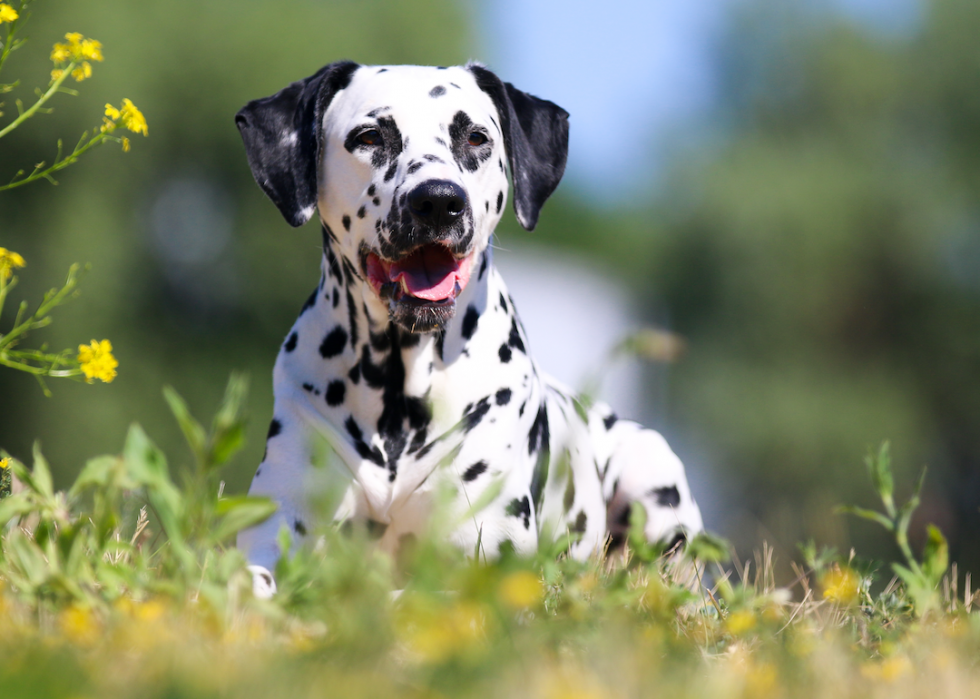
x=406, y=386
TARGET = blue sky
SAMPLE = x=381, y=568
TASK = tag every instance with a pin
x=637, y=76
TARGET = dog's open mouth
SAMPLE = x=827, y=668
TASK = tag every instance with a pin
x=422, y=286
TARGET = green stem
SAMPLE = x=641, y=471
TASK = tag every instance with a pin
x=39, y=371
x=59, y=164
x=903, y=543
x=40, y=102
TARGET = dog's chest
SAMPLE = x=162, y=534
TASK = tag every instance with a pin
x=409, y=405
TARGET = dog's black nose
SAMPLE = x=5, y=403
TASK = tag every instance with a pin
x=437, y=203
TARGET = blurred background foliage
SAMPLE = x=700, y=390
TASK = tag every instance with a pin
x=819, y=250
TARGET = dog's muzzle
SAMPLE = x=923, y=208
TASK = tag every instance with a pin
x=427, y=262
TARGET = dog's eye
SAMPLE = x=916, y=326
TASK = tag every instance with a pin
x=369, y=138
x=477, y=139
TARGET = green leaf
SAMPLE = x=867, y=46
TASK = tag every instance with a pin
x=192, y=429
x=241, y=512
x=228, y=428
x=226, y=444
x=147, y=465
x=489, y=494
x=935, y=555
x=880, y=468
x=709, y=548
x=14, y=506
x=41, y=474
x=27, y=556
x=100, y=472
x=865, y=514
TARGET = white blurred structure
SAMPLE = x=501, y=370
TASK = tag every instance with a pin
x=573, y=316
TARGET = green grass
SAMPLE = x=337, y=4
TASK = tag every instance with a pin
x=127, y=585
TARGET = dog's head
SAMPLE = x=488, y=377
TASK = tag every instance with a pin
x=406, y=166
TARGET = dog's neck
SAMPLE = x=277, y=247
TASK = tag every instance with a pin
x=417, y=374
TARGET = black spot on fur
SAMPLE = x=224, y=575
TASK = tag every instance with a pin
x=520, y=508
x=514, y=338
x=415, y=167
x=362, y=212
x=437, y=91
x=466, y=156
x=376, y=529
x=433, y=158
x=474, y=471
x=390, y=172
x=355, y=374
x=352, y=316
x=538, y=437
x=500, y=201
x=371, y=453
x=483, y=265
x=503, y=303
x=580, y=521
x=346, y=221
x=336, y=390
x=291, y=342
x=667, y=497
x=379, y=341
x=310, y=302
x=505, y=353
x=333, y=344
x=503, y=396
x=377, y=202
x=539, y=440
x=371, y=190
x=623, y=519
x=336, y=297
x=275, y=427
x=299, y=527
x=609, y=420
x=440, y=343
x=473, y=414
x=308, y=387
x=470, y=320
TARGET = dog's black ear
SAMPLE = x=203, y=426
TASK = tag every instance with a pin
x=283, y=139
x=536, y=138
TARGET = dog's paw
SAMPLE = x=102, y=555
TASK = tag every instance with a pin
x=263, y=584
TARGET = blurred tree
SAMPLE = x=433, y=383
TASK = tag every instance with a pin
x=825, y=268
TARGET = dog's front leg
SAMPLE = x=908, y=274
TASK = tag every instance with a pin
x=303, y=473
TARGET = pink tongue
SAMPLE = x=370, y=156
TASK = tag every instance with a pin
x=429, y=273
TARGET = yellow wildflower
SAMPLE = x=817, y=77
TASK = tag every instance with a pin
x=79, y=625
x=436, y=635
x=78, y=50
x=97, y=361
x=740, y=621
x=125, y=144
x=521, y=589
x=9, y=260
x=60, y=53
x=841, y=585
x=56, y=73
x=7, y=13
x=133, y=118
x=4, y=462
x=83, y=71
x=887, y=670
x=91, y=49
